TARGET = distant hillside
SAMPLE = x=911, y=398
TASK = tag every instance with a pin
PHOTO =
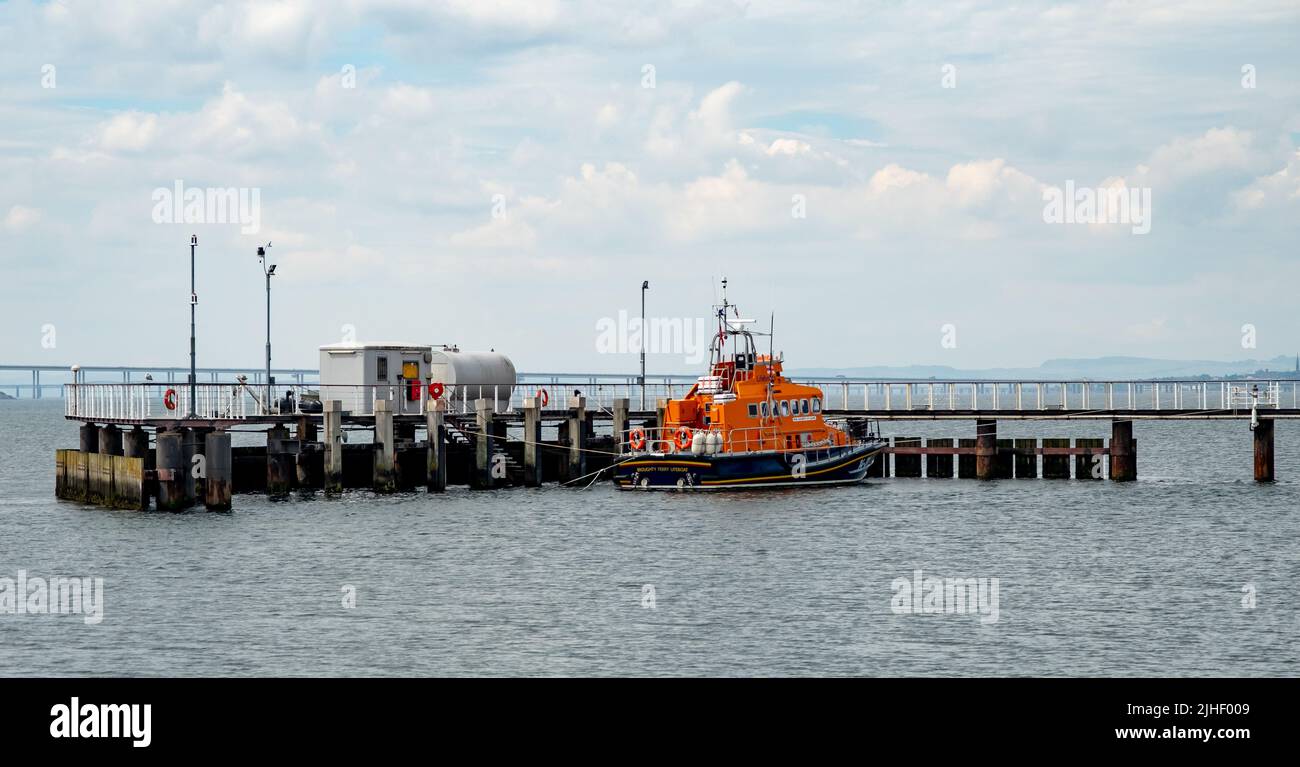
x=1100, y=368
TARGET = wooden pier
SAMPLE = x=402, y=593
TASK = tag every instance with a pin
x=142, y=441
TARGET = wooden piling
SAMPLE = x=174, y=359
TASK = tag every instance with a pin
x=532, y=441
x=1026, y=460
x=305, y=429
x=1085, y=466
x=280, y=470
x=169, y=458
x=219, y=483
x=1264, y=450
x=986, y=440
x=332, y=415
x=384, y=478
x=100, y=486
x=1056, y=466
x=61, y=473
x=619, y=414
x=907, y=465
x=939, y=466
x=1123, y=455
x=577, y=437
x=435, y=473
x=73, y=474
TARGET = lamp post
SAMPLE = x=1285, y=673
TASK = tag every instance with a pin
x=268, y=270
x=194, y=302
x=645, y=285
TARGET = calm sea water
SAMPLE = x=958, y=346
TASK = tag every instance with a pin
x=1095, y=578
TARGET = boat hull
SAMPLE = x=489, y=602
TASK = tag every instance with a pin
x=735, y=471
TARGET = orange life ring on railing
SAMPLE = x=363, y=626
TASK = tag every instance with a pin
x=683, y=438
x=636, y=438
x=544, y=396
x=435, y=390
x=169, y=399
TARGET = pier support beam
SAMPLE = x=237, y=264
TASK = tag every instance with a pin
x=661, y=418
x=170, y=459
x=280, y=463
x=482, y=477
x=1264, y=450
x=135, y=444
x=305, y=435
x=1026, y=459
x=1056, y=466
x=305, y=429
x=986, y=448
x=577, y=437
x=532, y=443
x=619, y=413
x=1123, y=458
x=939, y=466
x=435, y=471
x=193, y=444
x=1089, y=466
x=89, y=438
x=966, y=461
x=907, y=465
x=218, y=484
x=385, y=476
x=110, y=440
x=332, y=415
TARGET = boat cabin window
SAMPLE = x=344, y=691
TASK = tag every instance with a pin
x=817, y=404
x=753, y=410
x=382, y=372
x=764, y=409
x=785, y=407
x=803, y=406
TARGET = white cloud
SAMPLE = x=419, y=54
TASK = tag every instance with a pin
x=20, y=218
x=128, y=132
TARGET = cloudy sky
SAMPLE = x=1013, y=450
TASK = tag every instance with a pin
x=505, y=174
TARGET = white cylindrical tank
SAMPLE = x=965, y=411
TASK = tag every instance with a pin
x=473, y=375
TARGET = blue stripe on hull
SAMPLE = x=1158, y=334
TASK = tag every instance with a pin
x=746, y=470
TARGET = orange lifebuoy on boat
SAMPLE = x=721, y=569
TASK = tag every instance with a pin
x=435, y=390
x=636, y=438
x=169, y=399
x=683, y=438
x=544, y=396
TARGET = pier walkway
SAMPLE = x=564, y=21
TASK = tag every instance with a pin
x=147, y=440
